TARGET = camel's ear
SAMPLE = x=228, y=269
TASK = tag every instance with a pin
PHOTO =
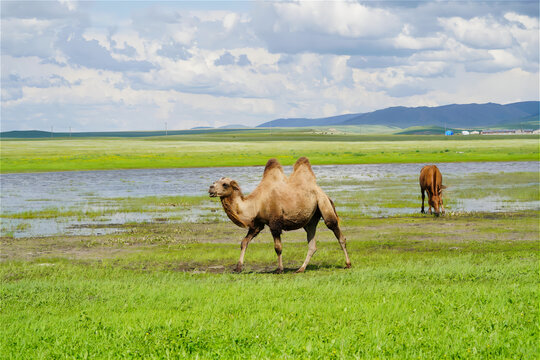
x=234, y=185
x=443, y=187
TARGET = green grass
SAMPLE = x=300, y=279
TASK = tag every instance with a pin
x=420, y=287
x=246, y=149
x=461, y=286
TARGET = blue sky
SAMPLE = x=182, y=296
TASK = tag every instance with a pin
x=136, y=65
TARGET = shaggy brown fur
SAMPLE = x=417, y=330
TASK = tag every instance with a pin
x=431, y=181
x=282, y=204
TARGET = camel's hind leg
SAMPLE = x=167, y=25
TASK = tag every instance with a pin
x=276, y=234
x=250, y=235
x=310, y=228
x=331, y=220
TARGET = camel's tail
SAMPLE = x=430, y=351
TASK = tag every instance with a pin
x=334, y=208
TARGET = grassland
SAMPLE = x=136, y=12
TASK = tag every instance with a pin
x=464, y=285
x=421, y=287
x=255, y=148
x=461, y=286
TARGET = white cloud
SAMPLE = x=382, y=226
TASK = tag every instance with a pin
x=139, y=66
x=407, y=41
x=479, y=32
x=229, y=21
x=340, y=17
x=69, y=4
x=528, y=22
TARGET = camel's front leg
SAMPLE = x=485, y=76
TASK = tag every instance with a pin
x=278, y=248
x=423, y=197
x=250, y=235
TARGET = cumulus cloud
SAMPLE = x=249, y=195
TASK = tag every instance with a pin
x=326, y=27
x=90, y=53
x=483, y=33
x=228, y=59
x=105, y=66
x=174, y=51
x=341, y=18
x=38, y=9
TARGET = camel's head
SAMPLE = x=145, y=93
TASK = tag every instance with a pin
x=223, y=187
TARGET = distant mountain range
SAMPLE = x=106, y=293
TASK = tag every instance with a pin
x=455, y=116
x=468, y=116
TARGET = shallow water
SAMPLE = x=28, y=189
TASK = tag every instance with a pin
x=82, y=189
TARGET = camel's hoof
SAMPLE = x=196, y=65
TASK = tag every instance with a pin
x=422, y=212
x=348, y=266
x=278, y=271
x=301, y=270
x=238, y=268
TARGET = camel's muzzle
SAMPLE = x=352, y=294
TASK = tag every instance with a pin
x=212, y=191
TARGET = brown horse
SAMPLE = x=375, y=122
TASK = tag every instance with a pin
x=282, y=203
x=431, y=181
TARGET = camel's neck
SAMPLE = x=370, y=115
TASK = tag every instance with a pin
x=237, y=209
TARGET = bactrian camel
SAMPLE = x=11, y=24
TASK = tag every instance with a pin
x=282, y=203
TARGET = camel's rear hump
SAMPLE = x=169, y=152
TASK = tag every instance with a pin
x=302, y=161
x=302, y=168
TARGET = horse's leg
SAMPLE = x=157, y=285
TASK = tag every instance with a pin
x=252, y=232
x=441, y=206
x=430, y=197
x=423, y=197
x=331, y=220
x=310, y=228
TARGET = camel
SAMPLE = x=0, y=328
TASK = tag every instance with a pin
x=282, y=204
x=431, y=181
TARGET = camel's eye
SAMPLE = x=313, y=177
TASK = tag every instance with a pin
x=225, y=185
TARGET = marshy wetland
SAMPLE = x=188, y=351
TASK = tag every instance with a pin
x=97, y=202
x=138, y=264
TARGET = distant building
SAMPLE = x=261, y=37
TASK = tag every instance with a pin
x=464, y=132
x=507, y=132
x=475, y=132
x=448, y=132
